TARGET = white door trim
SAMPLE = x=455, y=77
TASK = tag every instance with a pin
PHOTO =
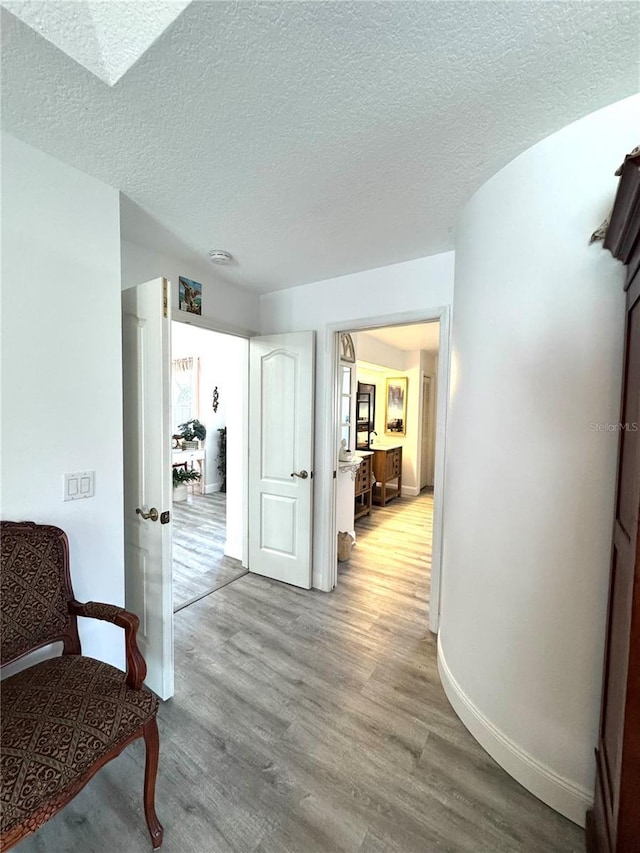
x=430, y=424
x=419, y=458
x=331, y=385
x=210, y=323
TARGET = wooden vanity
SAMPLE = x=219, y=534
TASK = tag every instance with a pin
x=363, y=485
x=387, y=470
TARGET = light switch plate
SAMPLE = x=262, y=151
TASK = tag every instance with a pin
x=79, y=485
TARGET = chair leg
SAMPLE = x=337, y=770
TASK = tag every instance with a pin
x=152, y=743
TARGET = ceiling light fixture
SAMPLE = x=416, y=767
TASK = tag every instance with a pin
x=220, y=256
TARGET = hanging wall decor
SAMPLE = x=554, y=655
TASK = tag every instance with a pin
x=189, y=295
x=395, y=414
x=216, y=399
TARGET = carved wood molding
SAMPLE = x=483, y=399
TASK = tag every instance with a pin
x=623, y=233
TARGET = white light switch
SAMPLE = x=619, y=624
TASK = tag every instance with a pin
x=79, y=485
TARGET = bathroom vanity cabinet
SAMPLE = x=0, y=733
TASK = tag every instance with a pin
x=387, y=469
x=363, y=485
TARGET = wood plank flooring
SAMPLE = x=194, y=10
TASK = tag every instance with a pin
x=199, y=562
x=306, y=722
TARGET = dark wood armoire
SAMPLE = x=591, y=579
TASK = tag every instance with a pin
x=613, y=825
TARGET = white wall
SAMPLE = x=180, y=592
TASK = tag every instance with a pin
x=223, y=306
x=61, y=368
x=424, y=286
x=223, y=363
x=537, y=353
x=375, y=351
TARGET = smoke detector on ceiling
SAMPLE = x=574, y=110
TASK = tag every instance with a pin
x=220, y=256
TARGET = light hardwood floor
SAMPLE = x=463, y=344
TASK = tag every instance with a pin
x=199, y=562
x=306, y=722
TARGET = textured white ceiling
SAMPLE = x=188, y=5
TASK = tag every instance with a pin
x=105, y=37
x=317, y=139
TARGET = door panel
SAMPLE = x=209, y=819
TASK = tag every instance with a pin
x=147, y=471
x=278, y=524
x=281, y=395
x=616, y=821
x=629, y=441
x=425, y=443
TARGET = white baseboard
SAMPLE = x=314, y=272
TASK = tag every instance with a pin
x=410, y=491
x=210, y=488
x=571, y=800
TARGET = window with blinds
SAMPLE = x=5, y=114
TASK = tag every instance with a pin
x=184, y=390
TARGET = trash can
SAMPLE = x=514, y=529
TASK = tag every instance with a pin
x=345, y=544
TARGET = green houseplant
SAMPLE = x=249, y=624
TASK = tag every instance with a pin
x=222, y=458
x=193, y=429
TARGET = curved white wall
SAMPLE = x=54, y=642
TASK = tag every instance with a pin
x=537, y=349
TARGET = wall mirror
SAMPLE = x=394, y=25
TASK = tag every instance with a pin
x=365, y=415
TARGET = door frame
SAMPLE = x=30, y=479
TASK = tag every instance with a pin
x=332, y=441
x=211, y=325
x=162, y=591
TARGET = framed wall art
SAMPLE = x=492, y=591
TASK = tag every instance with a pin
x=395, y=412
x=189, y=295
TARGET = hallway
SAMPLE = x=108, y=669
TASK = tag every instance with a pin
x=391, y=560
x=306, y=722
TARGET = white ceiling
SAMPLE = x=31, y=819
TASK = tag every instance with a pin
x=418, y=336
x=316, y=139
x=105, y=37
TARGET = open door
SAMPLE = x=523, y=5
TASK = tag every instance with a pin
x=426, y=478
x=146, y=358
x=281, y=397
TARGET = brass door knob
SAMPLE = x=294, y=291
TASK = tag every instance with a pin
x=303, y=474
x=152, y=515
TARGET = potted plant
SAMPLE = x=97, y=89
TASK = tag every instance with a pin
x=192, y=433
x=182, y=476
x=222, y=458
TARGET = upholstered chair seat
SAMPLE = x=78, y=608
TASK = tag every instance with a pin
x=59, y=719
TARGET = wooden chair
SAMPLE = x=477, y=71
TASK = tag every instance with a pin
x=63, y=719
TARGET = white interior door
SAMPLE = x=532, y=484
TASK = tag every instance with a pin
x=425, y=437
x=146, y=357
x=281, y=397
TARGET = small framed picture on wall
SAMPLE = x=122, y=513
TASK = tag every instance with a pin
x=395, y=413
x=189, y=295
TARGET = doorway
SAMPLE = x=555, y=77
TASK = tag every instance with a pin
x=207, y=418
x=388, y=417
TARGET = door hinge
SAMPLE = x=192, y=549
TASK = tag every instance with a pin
x=165, y=299
x=335, y=474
